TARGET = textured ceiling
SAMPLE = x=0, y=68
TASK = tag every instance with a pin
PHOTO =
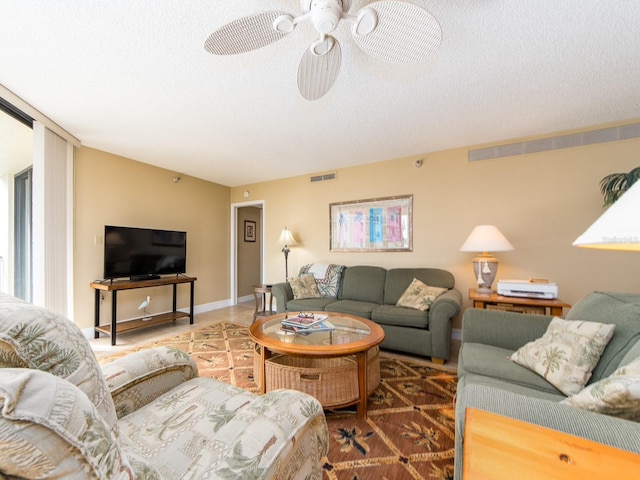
x=133, y=78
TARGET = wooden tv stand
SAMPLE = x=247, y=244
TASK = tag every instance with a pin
x=114, y=286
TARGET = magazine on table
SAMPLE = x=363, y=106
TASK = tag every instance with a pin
x=304, y=320
x=322, y=326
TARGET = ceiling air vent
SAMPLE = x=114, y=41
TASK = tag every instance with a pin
x=323, y=177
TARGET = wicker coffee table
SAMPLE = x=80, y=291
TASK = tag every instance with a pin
x=339, y=367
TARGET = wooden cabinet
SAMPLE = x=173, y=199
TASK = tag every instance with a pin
x=539, y=306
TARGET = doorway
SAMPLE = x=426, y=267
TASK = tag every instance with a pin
x=247, y=252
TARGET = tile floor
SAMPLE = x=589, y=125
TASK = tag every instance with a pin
x=241, y=314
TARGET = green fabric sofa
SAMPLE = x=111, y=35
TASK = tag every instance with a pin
x=489, y=381
x=372, y=292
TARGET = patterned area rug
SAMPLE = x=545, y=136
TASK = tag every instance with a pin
x=409, y=432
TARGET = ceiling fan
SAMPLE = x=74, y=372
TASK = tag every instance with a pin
x=392, y=30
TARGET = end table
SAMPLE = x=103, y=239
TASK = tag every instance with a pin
x=539, y=306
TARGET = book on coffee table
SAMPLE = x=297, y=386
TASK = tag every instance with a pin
x=303, y=321
x=322, y=326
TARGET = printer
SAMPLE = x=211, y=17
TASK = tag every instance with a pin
x=528, y=289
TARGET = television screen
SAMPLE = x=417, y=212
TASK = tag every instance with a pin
x=142, y=253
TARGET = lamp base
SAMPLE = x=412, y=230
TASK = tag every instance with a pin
x=485, y=269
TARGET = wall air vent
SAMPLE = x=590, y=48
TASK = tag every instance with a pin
x=591, y=137
x=323, y=177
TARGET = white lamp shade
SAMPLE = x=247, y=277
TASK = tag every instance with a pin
x=486, y=238
x=618, y=228
x=286, y=238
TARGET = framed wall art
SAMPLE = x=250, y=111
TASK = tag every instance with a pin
x=374, y=225
x=249, y=231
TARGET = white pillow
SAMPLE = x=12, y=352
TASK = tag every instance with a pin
x=617, y=395
x=567, y=353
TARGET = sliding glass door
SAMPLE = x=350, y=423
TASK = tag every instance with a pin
x=23, y=267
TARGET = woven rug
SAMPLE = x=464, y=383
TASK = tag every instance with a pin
x=409, y=432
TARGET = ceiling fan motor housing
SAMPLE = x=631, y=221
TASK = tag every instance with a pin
x=325, y=14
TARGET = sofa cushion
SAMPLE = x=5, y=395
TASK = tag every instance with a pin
x=33, y=337
x=400, y=316
x=304, y=287
x=419, y=296
x=309, y=304
x=493, y=362
x=351, y=307
x=364, y=284
x=328, y=278
x=617, y=395
x=398, y=279
x=567, y=353
x=621, y=309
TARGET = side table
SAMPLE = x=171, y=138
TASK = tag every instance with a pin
x=538, y=306
x=260, y=295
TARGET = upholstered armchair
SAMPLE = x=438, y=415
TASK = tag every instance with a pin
x=145, y=416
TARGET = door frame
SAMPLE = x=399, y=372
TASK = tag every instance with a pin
x=233, y=267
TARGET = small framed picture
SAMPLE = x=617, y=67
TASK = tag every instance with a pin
x=249, y=231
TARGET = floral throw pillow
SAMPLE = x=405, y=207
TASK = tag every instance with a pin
x=567, y=353
x=304, y=287
x=419, y=296
x=617, y=395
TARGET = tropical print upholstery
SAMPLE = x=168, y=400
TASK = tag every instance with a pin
x=419, y=296
x=304, y=286
x=617, y=395
x=567, y=353
x=56, y=421
x=327, y=277
x=34, y=337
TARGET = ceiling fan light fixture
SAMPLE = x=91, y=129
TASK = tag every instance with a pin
x=366, y=22
x=322, y=46
x=284, y=24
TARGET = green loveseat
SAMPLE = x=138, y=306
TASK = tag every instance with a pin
x=372, y=292
x=489, y=381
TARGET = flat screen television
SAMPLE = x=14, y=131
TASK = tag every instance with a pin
x=143, y=253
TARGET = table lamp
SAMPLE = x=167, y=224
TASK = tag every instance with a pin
x=618, y=228
x=286, y=239
x=485, y=238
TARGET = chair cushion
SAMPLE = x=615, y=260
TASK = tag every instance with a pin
x=33, y=337
x=50, y=429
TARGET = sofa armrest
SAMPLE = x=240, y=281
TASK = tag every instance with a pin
x=509, y=330
x=443, y=309
x=282, y=293
x=141, y=377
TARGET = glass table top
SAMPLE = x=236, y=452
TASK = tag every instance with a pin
x=346, y=330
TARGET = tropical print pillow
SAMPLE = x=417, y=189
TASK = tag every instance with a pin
x=327, y=277
x=617, y=395
x=567, y=353
x=304, y=287
x=419, y=296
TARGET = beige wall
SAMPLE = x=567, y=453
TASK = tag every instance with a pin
x=249, y=258
x=112, y=190
x=541, y=202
